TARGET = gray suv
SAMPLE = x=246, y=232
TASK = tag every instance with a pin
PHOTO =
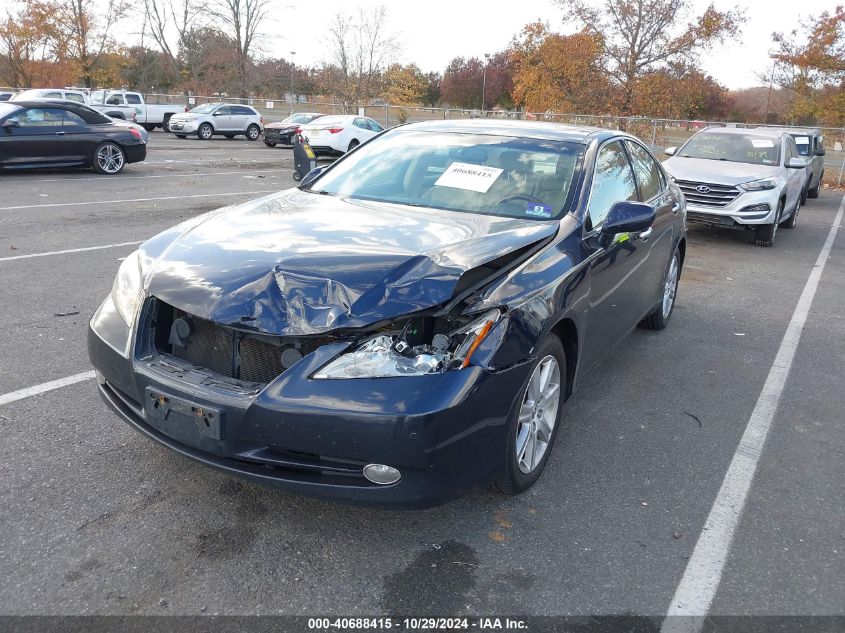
x=810, y=142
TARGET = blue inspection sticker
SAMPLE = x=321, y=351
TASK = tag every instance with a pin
x=538, y=210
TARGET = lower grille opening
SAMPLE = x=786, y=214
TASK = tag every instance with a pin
x=230, y=352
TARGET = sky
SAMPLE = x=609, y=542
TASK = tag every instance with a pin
x=433, y=32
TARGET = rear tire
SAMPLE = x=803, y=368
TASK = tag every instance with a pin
x=531, y=415
x=661, y=315
x=353, y=144
x=269, y=144
x=253, y=132
x=765, y=234
x=108, y=159
x=149, y=127
x=205, y=132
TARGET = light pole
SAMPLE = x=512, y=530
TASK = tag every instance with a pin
x=292, y=55
x=484, y=81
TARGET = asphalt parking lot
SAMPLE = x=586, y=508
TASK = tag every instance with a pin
x=98, y=520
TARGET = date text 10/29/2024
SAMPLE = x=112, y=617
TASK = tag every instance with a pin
x=417, y=624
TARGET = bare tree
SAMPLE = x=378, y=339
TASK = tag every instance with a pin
x=643, y=35
x=163, y=17
x=241, y=21
x=361, y=48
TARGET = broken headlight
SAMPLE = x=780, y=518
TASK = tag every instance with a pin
x=126, y=290
x=390, y=355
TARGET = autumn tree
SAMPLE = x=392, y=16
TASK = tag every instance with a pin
x=563, y=73
x=680, y=92
x=24, y=37
x=83, y=34
x=165, y=18
x=812, y=64
x=404, y=85
x=641, y=36
x=361, y=46
x=464, y=80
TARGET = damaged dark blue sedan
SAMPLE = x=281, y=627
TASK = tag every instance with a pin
x=406, y=325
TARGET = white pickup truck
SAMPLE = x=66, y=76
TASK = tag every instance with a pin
x=150, y=116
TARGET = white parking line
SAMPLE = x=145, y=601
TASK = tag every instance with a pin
x=77, y=204
x=70, y=250
x=14, y=396
x=698, y=585
x=131, y=177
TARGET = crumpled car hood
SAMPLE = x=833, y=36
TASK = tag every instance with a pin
x=297, y=263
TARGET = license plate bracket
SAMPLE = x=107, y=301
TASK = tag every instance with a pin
x=174, y=414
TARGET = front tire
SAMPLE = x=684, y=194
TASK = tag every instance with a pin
x=108, y=159
x=253, y=132
x=165, y=124
x=535, y=420
x=661, y=315
x=814, y=192
x=269, y=144
x=765, y=235
x=205, y=132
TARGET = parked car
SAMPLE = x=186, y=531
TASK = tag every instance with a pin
x=407, y=324
x=76, y=96
x=149, y=115
x=57, y=133
x=741, y=178
x=228, y=119
x=810, y=142
x=335, y=135
x=282, y=132
x=5, y=96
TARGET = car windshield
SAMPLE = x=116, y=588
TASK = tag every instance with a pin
x=491, y=175
x=205, y=108
x=300, y=118
x=735, y=148
x=803, y=143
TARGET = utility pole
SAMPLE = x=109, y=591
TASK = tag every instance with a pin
x=484, y=81
x=769, y=98
x=292, y=65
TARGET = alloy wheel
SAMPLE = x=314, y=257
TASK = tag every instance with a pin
x=670, y=287
x=538, y=414
x=110, y=158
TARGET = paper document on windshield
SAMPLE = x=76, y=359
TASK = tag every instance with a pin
x=762, y=142
x=470, y=177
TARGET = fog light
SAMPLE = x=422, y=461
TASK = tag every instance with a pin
x=381, y=474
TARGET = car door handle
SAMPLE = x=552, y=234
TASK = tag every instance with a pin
x=60, y=133
x=644, y=235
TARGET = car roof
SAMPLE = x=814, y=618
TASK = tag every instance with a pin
x=40, y=103
x=541, y=130
x=800, y=131
x=747, y=131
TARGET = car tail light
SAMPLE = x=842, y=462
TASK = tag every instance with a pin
x=298, y=130
x=186, y=109
x=335, y=130
x=136, y=134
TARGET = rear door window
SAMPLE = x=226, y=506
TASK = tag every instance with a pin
x=74, y=96
x=133, y=99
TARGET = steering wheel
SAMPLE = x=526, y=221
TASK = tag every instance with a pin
x=519, y=196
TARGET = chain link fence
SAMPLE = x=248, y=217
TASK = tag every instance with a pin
x=658, y=133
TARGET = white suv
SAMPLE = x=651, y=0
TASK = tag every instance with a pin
x=227, y=119
x=740, y=178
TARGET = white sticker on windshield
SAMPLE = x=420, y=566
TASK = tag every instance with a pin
x=802, y=140
x=762, y=142
x=470, y=177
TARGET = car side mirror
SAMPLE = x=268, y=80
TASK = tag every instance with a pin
x=311, y=176
x=11, y=123
x=216, y=114
x=628, y=217
x=796, y=163
x=670, y=151
x=819, y=152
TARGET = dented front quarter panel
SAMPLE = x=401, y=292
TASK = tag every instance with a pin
x=546, y=289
